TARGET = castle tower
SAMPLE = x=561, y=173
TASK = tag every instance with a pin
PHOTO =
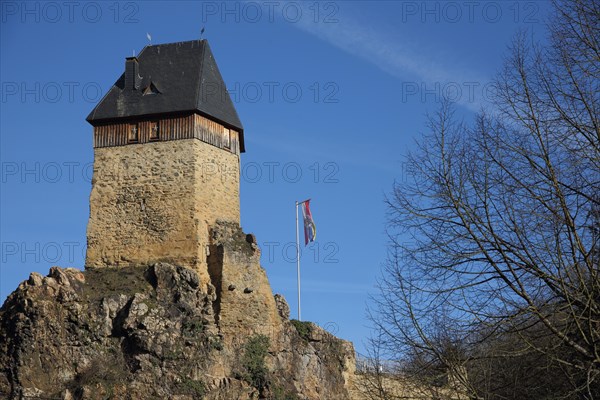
x=167, y=144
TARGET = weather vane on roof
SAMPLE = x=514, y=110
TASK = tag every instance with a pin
x=202, y=32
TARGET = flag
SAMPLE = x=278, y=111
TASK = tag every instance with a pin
x=310, y=230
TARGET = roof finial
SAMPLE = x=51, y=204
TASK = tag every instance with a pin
x=149, y=38
x=202, y=32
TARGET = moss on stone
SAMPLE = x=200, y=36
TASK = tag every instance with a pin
x=253, y=361
x=104, y=282
x=303, y=328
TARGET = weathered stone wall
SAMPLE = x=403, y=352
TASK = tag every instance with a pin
x=244, y=295
x=315, y=364
x=370, y=385
x=156, y=202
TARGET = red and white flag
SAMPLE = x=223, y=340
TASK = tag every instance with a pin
x=310, y=230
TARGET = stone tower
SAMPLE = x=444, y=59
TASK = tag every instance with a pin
x=167, y=144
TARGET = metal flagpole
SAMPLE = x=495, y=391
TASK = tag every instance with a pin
x=298, y=260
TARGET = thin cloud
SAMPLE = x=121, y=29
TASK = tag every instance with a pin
x=392, y=52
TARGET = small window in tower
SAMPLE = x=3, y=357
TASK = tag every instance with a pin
x=133, y=133
x=154, y=130
x=226, y=138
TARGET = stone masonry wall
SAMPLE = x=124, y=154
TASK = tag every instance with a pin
x=244, y=294
x=156, y=202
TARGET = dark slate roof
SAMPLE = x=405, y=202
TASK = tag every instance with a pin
x=187, y=79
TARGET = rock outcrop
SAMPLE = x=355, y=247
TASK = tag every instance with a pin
x=158, y=332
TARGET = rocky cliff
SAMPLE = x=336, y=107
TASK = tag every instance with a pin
x=156, y=332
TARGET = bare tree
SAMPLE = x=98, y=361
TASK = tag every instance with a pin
x=495, y=237
x=379, y=377
x=371, y=374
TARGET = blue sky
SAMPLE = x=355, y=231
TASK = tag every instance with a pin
x=331, y=95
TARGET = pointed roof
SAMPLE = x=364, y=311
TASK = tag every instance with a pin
x=171, y=78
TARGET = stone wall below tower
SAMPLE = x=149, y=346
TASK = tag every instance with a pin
x=244, y=294
x=156, y=202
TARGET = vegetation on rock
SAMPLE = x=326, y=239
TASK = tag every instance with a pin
x=304, y=328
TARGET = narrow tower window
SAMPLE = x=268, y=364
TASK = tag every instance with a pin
x=133, y=133
x=226, y=138
x=154, y=130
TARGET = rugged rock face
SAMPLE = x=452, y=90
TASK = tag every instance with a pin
x=157, y=332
